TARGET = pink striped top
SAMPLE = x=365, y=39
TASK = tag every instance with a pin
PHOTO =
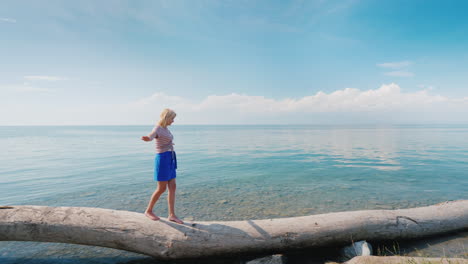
x=163, y=139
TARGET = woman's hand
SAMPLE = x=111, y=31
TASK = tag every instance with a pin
x=145, y=138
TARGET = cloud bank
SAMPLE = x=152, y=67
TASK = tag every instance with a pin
x=387, y=97
x=388, y=104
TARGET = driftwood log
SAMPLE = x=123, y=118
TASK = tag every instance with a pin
x=162, y=239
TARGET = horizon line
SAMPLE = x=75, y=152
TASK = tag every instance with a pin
x=296, y=124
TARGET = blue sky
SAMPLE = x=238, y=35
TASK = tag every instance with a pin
x=233, y=62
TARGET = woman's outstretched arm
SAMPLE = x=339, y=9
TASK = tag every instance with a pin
x=151, y=135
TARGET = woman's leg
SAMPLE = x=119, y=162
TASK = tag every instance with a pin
x=154, y=198
x=171, y=202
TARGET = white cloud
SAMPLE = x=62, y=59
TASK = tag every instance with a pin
x=386, y=104
x=387, y=97
x=7, y=20
x=25, y=87
x=399, y=74
x=44, y=78
x=395, y=65
x=399, y=68
x=388, y=100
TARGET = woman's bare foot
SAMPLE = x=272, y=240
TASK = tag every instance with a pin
x=175, y=219
x=152, y=216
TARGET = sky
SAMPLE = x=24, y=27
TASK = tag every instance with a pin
x=234, y=62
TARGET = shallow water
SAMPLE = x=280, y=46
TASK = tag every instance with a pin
x=228, y=173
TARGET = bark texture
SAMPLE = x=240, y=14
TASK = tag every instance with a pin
x=162, y=239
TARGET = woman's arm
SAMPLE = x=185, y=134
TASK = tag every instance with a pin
x=151, y=135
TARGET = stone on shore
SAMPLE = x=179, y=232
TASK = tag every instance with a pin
x=273, y=259
x=359, y=248
x=404, y=260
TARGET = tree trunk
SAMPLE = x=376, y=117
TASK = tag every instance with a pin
x=167, y=240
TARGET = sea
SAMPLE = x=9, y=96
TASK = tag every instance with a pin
x=232, y=172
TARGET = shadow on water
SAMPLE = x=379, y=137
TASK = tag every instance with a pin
x=137, y=259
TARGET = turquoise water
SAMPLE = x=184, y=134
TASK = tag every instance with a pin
x=228, y=173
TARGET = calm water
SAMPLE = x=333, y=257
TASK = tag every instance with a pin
x=228, y=173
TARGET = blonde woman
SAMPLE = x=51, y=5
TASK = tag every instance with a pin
x=165, y=165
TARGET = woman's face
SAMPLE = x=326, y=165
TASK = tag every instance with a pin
x=170, y=121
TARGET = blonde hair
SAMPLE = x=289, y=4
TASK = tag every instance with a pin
x=166, y=115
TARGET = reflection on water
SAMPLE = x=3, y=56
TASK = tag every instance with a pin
x=229, y=173
x=372, y=165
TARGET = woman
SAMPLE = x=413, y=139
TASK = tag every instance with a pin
x=165, y=165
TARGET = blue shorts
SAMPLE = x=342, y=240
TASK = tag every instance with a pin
x=165, y=165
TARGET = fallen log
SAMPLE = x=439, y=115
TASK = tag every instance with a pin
x=162, y=239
